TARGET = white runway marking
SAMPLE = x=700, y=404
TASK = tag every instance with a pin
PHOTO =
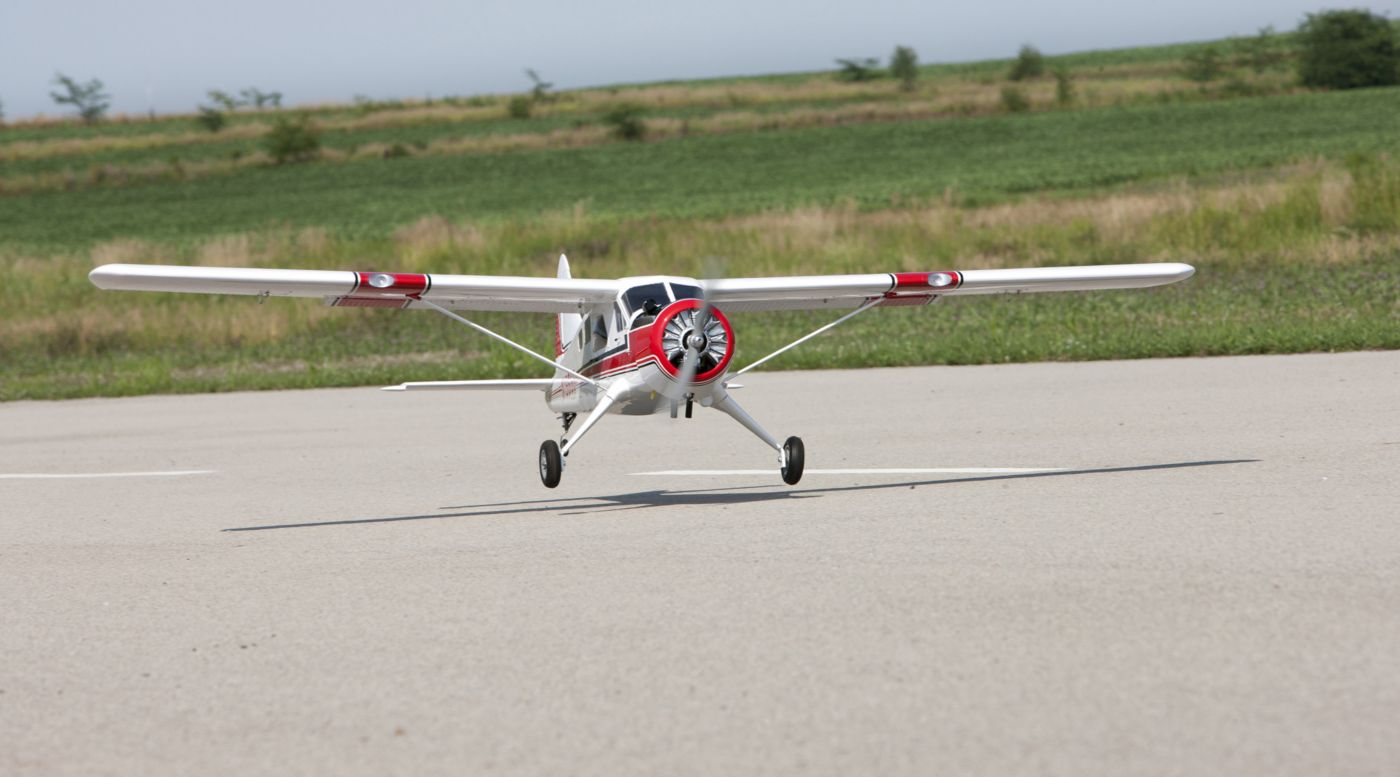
x=73, y=475
x=870, y=471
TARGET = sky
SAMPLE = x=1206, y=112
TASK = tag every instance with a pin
x=165, y=54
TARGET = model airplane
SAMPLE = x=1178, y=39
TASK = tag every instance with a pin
x=634, y=346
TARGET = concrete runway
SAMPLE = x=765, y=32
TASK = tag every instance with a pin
x=374, y=583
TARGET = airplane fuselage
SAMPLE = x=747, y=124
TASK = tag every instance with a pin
x=633, y=349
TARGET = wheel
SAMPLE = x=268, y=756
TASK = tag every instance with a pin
x=793, y=454
x=551, y=464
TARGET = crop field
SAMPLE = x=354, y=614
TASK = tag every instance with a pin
x=1287, y=201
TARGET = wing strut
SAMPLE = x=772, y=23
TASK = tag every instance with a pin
x=506, y=340
x=868, y=305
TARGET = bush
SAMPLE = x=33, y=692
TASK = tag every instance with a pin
x=1264, y=51
x=1204, y=64
x=626, y=122
x=518, y=108
x=292, y=140
x=1029, y=64
x=396, y=151
x=1347, y=50
x=211, y=119
x=867, y=69
x=904, y=65
x=1014, y=100
x=1064, y=87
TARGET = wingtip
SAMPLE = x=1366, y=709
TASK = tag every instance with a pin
x=400, y=387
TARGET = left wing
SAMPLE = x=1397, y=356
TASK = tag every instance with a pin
x=509, y=384
x=346, y=288
x=921, y=288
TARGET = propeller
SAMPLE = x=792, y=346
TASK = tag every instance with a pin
x=700, y=335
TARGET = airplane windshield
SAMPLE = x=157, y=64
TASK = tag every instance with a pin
x=684, y=291
x=638, y=296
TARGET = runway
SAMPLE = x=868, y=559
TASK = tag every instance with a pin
x=1185, y=566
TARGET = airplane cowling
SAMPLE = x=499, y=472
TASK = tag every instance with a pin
x=676, y=323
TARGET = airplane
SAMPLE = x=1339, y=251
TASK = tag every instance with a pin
x=637, y=345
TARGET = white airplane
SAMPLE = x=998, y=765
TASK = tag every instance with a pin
x=633, y=346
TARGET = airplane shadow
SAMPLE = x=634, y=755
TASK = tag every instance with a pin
x=593, y=505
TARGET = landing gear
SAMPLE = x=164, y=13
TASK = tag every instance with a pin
x=793, y=455
x=552, y=464
x=568, y=419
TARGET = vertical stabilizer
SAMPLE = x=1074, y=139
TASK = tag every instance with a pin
x=566, y=327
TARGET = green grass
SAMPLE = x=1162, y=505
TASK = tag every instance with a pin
x=982, y=160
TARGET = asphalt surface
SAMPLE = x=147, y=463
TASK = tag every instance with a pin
x=373, y=583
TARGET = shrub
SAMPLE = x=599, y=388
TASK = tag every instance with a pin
x=626, y=122
x=866, y=69
x=1029, y=64
x=1064, y=87
x=904, y=65
x=292, y=140
x=1262, y=52
x=518, y=108
x=1347, y=50
x=211, y=119
x=396, y=151
x=89, y=99
x=1204, y=64
x=1014, y=100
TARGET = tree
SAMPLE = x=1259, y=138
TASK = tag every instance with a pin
x=540, y=91
x=224, y=100
x=259, y=99
x=292, y=140
x=1347, y=50
x=904, y=65
x=865, y=69
x=89, y=99
x=1030, y=63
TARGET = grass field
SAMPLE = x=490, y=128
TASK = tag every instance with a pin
x=1288, y=204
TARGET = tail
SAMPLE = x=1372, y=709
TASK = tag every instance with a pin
x=566, y=327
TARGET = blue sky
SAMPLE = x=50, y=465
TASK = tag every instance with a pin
x=164, y=54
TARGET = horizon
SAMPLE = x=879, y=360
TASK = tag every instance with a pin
x=315, y=61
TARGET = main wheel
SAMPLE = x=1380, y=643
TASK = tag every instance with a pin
x=793, y=454
x=551, y=464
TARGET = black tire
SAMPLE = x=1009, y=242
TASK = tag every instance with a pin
x=551, y=464
x=794, y=453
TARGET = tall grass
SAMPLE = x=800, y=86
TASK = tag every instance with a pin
x=1300, y=259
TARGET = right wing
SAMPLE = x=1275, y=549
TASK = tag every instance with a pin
x=919, y=288
x=346, y=288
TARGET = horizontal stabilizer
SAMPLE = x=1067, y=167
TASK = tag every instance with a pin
x=536, y=384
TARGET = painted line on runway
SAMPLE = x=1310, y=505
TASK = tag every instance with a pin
x=75, y=475
x=872, y=471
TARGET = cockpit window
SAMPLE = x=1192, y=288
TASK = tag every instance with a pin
x=646, y=301
x=683, y=291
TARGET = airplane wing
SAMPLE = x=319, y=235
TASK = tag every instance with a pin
x=921, y=288
x=346, y=288
x=509, y=384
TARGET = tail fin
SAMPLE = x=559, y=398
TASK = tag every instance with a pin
x=566, y=327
